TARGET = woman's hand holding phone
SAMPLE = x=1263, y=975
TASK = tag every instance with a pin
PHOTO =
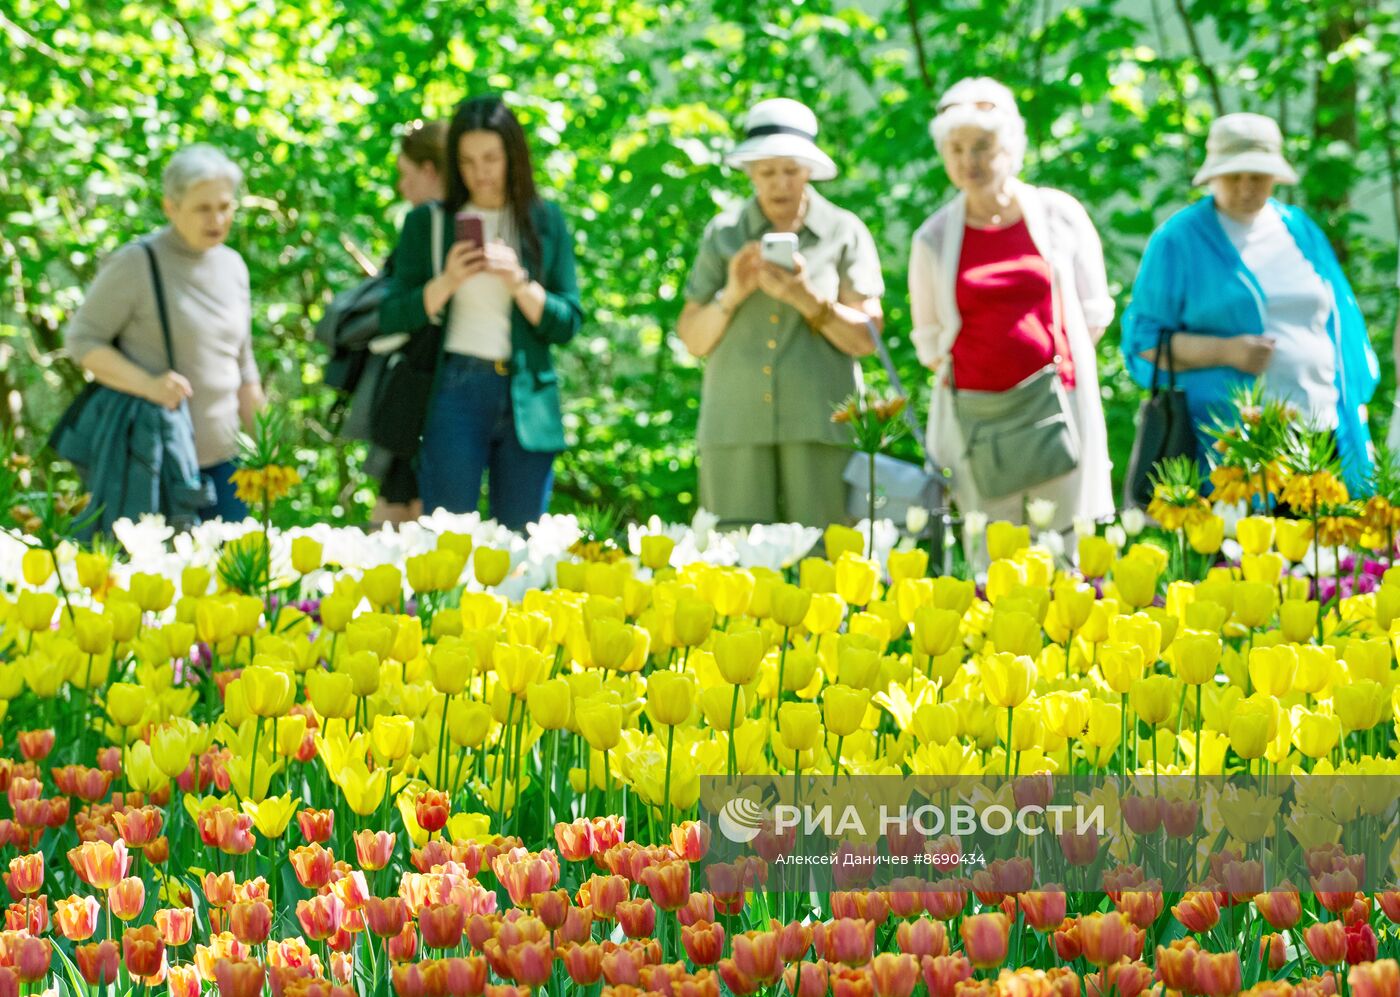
x=787, y=286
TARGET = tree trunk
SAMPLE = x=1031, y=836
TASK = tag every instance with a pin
x=1334, y=120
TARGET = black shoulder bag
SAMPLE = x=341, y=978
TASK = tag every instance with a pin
x=1164, y=429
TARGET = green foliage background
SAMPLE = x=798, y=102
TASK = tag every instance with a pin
x=630, y=105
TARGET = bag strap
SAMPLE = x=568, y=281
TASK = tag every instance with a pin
x=883, y=352
x=436, y=210
x=160, y=303
x=1164, y=344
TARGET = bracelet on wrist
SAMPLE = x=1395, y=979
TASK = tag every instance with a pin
x=822, y=315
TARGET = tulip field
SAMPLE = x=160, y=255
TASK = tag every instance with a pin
x=453, y=760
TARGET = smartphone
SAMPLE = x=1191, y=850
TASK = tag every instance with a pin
x=780, y=248
x=469, y=228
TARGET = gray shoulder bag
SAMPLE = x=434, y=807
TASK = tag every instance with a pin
x=1016, y=439
x=899, y=484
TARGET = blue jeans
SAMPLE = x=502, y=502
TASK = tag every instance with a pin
x=227, y=505
x=470, y=432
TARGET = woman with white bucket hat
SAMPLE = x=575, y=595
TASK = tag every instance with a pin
x=778, y=303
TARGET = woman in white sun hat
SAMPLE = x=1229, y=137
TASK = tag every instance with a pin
x=1246, y=287
x=780, y=334
x=1009, y=297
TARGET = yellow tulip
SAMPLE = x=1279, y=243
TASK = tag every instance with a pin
x=1153, y=698
x=1207, y=535
x=1315, y=734
x=332, y=694
x=364, y=790
x=306, y=554
x=843, y=709
x=1016, y=632
x=907, y=564
x=1067, y=713
x=600, y=723
x=140, y=770
x=1297, y=619
x=857, y=662
x=1095, y=556
x=824, y=613
x=458, y=543
x=1360, y=705
x=93, y=633
x=194, y=581
x=289, y=733
x=490, y=565
x=1294, y=536
x=267, y=691
x=126, y=703
x=37, y=566
x=670, y=698
x=855, y=579
x=842, y=540
x=337, y=610
x=1255, y=603
x=450, y=665
x=273, y=814
x=936, y=723
x=656, y=551
x=817, y=574
x=800, y=726
x=1136, y=580
x=694, y=621
x=1104, y=729
x=92, y=570
x=1317, y=668
x=1122, y=665
x=738, y=655
x=1368, y=659
x=611, y=643
x=383, y=585
x=468, y=722
x=1249, y=734
x=1255, y=533
x=153, y=593
x=1007, y=679
x=518, y=666
x=173, y=744
x=733, y=592
x=935, y=630
x=1271, y=669
x=1005, y=539
x=363, y=669
x=391, y=737
x=35, y=609
x=953, y=593
x=790, y=604
x=715, y=703
x=550, y=703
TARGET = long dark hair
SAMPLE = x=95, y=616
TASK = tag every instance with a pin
x=490, y=114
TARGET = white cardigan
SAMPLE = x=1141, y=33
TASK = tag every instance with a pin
x=1064, y=235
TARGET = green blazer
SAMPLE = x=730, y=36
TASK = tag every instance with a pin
x=534, y=385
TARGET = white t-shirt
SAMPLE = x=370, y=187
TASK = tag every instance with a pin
x=480, y=322
x=1303, y=368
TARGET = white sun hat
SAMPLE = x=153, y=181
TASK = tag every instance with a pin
x=1245, y=143
x=782, y=129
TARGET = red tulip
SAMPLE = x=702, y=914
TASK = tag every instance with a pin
x=794, y=939
x=98, y=962
x=143, y=951
x=317, y=826
x=1361, y=943
x=32, y=957
x=403, y=946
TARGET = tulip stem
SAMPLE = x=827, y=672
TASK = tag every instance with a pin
x=1010, y=712
x=253, y=761
x=733, y=711
x=836, y=766
x=670, y=746
x=782, y=661
x=1198, y=739
x=442, y=743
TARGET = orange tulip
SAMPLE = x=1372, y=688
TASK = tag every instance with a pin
x=922, y=938
x=668, y=883
x=127, y=899
x=442, y=925
x=703, y=942
x=373, y=849
x=321, y=916
x=99, y=864
x=317, y=826
x=1274, y=952
x=985, y=939
x=76, y=917
x=239, y=977
x=943, y=973
x=1375, y=979
x=1326, y=941
x=27, y=873
x=1176, y=965
x=807, y=979
x=1281, y=907
x=1106, y=938
x=583, y=962
x=1218, y=974
x=432, y=810
x=894, y=973
x=250, y=921
x=139, y=826
x=755, y=955
x=143, y=951
x=1044, y=909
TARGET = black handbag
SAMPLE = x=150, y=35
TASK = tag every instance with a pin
x=1164, y=429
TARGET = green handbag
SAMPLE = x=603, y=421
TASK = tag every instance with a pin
x=1016, y=439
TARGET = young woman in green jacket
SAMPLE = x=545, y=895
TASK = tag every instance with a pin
x=493, y=311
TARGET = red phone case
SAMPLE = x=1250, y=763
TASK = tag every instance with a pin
x=469, y=228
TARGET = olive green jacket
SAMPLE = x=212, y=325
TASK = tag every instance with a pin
x=534, y=385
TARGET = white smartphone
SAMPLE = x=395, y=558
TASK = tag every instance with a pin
x=780, y=248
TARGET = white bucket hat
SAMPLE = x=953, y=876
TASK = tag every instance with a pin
x=782, y=129
x=1245, y=143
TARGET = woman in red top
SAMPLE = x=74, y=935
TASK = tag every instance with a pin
x=1006, y=280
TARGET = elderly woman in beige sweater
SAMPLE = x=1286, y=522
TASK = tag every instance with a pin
x=116, y=334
